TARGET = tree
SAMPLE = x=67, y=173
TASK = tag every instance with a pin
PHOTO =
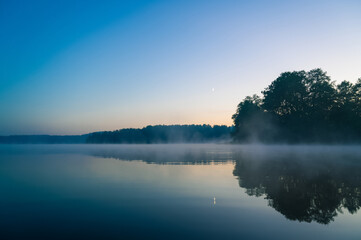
x=284, y=96
x=251, y=123
x=304, y=107
x=320, y=100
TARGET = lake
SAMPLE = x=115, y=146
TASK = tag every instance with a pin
x=180, y=191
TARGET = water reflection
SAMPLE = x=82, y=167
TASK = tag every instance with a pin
x=145, y=191
x=169, y=153
x=304, y=184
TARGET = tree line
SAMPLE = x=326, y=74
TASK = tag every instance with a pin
x=163, y=134
x=43, y=139
x=301, y=106
x=150, y=134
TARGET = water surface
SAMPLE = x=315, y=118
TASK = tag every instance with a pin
x=179, y=192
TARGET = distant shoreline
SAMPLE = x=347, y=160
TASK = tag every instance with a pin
x=147, y=135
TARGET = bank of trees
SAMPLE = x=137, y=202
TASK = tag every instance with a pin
x=151, y=134
x=43, y=139
x=164, y=134
x=301, y=106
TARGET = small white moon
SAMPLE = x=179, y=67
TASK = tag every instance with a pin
x=212, y=89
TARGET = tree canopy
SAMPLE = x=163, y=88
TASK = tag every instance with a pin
x=163, y=134
x=301, y=106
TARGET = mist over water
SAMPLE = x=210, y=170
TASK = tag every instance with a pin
x=184, y=190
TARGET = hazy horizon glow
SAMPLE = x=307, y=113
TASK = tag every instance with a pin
x=71, y=68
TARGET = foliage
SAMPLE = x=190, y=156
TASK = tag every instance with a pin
x=301, y=106
x=163, y=134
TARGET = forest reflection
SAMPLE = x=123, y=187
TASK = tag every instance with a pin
x=182, y=154
x=303, y=183
x=303, y=186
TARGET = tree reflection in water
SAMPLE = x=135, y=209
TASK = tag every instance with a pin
x=304, y=183
x=303, y=186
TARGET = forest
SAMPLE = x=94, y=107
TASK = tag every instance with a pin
x=297, y=107
x=164, y=134
x=150, y=134
x=301, y=107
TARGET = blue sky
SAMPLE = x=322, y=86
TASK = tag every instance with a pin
x=70, y=67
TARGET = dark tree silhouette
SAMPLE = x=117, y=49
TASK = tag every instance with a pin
x=302, y=107
x=251, y=122
x=149, y=134
x=164, y=134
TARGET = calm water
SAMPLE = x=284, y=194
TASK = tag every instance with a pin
x=179, y=191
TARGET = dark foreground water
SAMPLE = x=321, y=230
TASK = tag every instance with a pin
x=179, y=192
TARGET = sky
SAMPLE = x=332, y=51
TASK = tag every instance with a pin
x=73, y=67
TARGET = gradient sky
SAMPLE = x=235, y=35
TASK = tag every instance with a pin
x=70, y=67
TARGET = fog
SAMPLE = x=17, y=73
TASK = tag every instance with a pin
x=198, y=153
x=306, y=183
